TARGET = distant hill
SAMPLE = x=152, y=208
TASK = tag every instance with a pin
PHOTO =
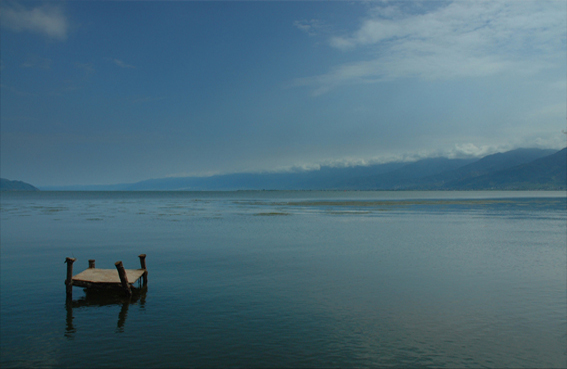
x=521, y=169
x=456, y=179
x=547, y=173
x=325, y=178
x=7, y=185
x=406, y=175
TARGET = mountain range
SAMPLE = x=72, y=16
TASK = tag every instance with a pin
x=520, y=169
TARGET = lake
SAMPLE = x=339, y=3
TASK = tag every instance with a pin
x=288, y=279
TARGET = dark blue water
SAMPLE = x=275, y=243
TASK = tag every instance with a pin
x=288, y=279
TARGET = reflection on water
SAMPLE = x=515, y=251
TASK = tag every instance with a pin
x=98, y=298
x=306, y=279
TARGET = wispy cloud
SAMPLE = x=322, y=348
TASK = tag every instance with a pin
x=121, y=64
x=34, y=61
x=48, y=20
x=459, y=40
x=147, y=99
x=311, y=27
x=16, y=91
x=88, y=68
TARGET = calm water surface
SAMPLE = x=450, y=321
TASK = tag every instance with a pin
x=288, y=279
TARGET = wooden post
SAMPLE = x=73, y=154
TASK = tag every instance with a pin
x=91, y=263
x=143, y=266
x=123, y=278
x=142, y=261
x=69, y=280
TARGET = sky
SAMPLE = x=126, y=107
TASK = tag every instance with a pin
x=107, y=92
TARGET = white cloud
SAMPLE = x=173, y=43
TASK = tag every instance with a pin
x=544, y=140
x=471, y=150
x=48, y=20
x=460, y=40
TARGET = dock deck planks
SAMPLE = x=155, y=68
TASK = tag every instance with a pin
x=95, y=275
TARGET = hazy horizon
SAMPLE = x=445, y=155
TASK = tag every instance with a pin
x=120, y=92
x=408, y=158
x=386, y=168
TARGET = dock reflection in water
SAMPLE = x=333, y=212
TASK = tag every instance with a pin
x=100, y=298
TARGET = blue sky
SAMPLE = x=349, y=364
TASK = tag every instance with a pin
x=104, y=92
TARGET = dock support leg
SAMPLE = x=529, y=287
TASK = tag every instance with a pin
x=143, y=266
x=123, y=278
x=69, y=280
x=91, y=263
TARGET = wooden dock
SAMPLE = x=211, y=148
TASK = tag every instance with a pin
x=117, y=279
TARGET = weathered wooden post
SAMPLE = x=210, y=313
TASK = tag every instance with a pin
x=123, y=278
x=143, y=266
x=91, y=263
x=142, y=261
x=69, y=280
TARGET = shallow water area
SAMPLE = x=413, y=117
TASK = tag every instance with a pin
x=288, y=279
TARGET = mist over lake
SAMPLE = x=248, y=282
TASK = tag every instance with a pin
x=288, y=279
